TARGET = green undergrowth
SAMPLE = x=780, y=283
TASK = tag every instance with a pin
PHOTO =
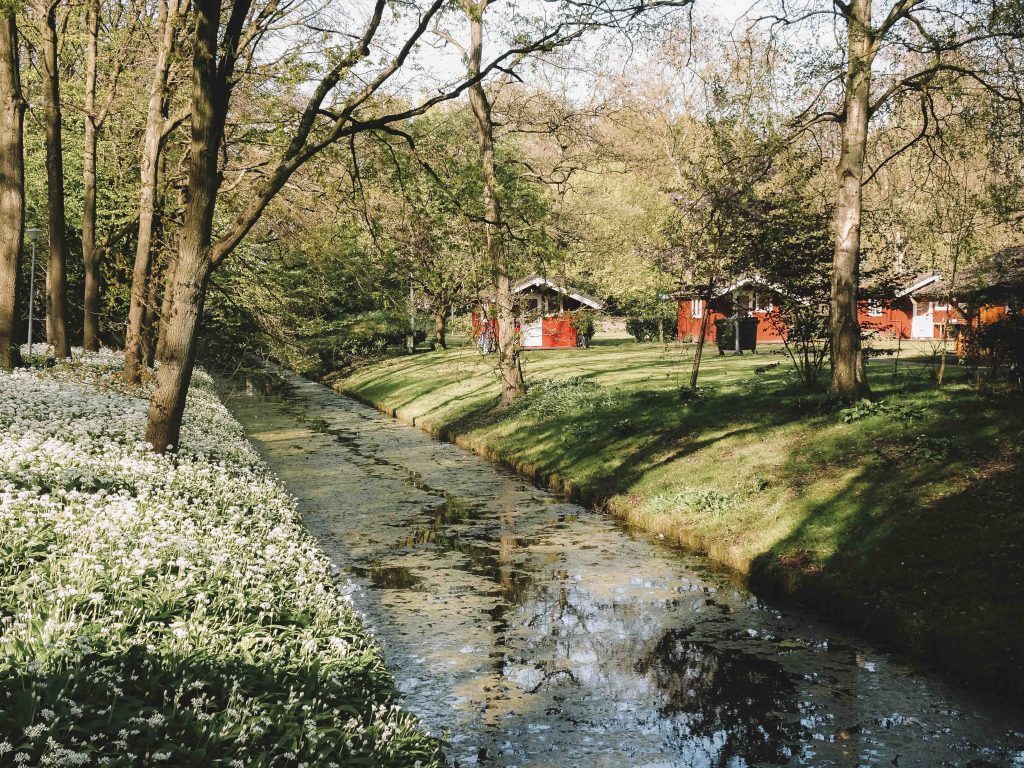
x=170, y=610
x=904, y=515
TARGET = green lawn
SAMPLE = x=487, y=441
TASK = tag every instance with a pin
x=905, y=517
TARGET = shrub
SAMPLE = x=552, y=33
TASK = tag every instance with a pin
x=570, y=396
x=866, y=408
x=647, y=328
x=995, y=347
x=698, y=502
x=582, y=322
x=932, y=448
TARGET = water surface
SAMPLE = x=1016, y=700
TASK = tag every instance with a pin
x=544, y=634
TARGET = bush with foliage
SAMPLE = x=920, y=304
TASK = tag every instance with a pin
x=652, y=328
x=570, y=396
x=989, y=348
x=697, y=501
x=170, y=609
x=582, y=322
x=893, y=409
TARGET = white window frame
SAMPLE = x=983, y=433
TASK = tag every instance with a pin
x=696, y=308
x=763, y=302
x=875, y=309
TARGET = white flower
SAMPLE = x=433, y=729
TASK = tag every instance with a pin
x=206, y=537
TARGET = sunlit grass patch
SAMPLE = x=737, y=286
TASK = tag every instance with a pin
x=910, y=507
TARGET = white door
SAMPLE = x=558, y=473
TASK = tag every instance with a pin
x=923, y=324
x=533, y=333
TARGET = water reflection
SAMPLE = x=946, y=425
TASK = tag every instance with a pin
x=545, y=635
x=724, y=704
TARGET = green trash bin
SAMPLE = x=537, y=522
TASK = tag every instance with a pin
x=725, y=331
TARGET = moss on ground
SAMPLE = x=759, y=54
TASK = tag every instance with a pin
x=905, y=517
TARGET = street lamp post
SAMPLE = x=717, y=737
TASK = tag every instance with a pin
x=33, y=235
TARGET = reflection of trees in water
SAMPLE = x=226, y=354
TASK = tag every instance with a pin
x=485, y=557
x=723, y=704
x=582, y=640
x=559, y=605
x=714, y=706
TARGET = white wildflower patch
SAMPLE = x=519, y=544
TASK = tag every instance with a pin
x=154, y=605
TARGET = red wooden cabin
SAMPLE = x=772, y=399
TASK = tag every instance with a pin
x=746, y=297
x=920, y=310
x=542, y=309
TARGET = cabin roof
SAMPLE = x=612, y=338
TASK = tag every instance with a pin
x=534, y=281
x=998, y=277
x=692, y=291
x=919, y=283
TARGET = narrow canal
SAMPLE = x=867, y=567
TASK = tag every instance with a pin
x=543, y=634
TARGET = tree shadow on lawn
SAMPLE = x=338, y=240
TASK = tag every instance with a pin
x=397, y=395
x=606, y=449
x=911, y=530
x=920, y=549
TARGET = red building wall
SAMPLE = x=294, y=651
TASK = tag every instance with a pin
x=478, y=325
x=895, y=319
x=557, y=332
x=689, y=326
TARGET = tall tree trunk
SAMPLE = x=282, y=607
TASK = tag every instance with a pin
x=701, y=339
x=410, y=337
x=56, y=276
x=170, y=260
x=950, y=298
x=12, y=185
x=151, y=316
x=509, y=362
x=211, y=93
x=848, y=380
x=441, y=328
x=165, y=302
x=91, y=304
x=156, y=114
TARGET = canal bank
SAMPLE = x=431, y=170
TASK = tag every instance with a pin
x=544, y=634
x=904, y=520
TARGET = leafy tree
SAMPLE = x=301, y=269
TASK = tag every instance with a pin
x=903, y=51
x=423, y=205
x=171, y=18
x=787, y=243
x=342, y=100
x=714, y=205
x=56, y=272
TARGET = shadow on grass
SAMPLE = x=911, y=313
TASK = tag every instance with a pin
x=611, y=446
x=918, y=538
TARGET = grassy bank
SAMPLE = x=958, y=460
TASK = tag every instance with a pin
x=170, y=610
x=904, y=517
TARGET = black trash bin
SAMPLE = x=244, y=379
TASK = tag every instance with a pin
x=748, y=333
x=727, y=329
